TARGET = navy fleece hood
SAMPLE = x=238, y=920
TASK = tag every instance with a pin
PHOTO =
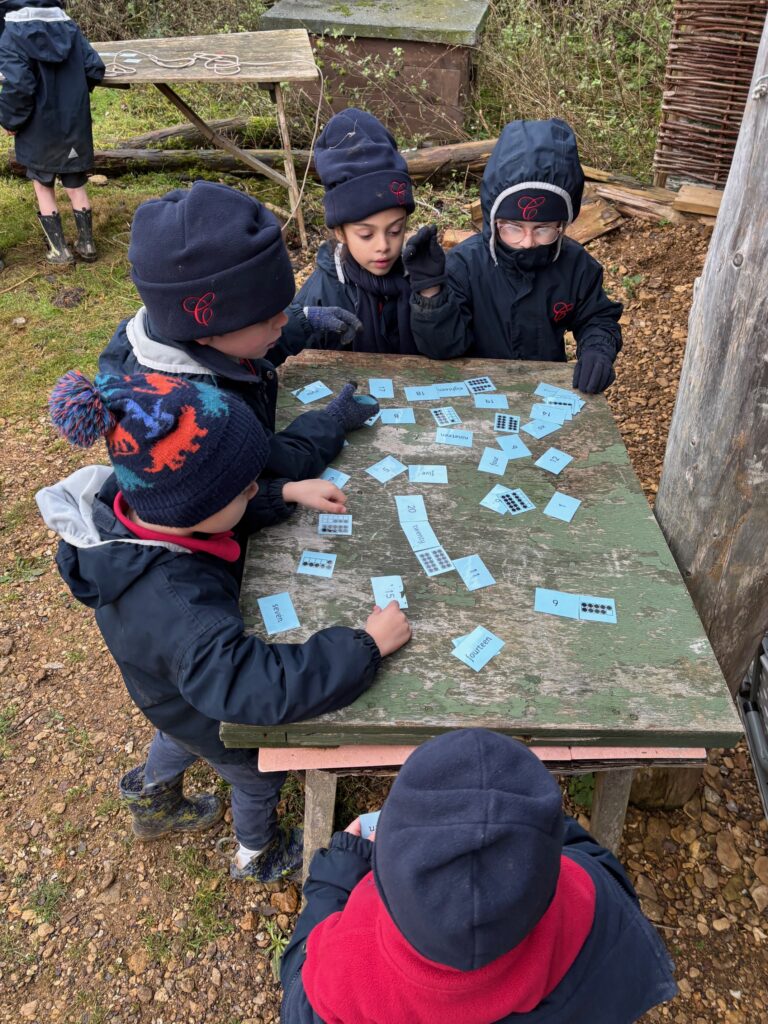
x=468, y=846
x=531, y=153
x=49, y=33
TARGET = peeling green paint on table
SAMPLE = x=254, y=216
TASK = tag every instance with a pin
x=652, y=679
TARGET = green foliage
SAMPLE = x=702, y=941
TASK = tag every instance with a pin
x=24, y=570
x=581, y=789
x=147, y=19
x=7, y=716
x=278, y=940
x=630, y=283
x=47, y=899
x=598, y=64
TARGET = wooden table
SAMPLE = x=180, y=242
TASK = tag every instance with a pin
x=267, y=58
x=649, y=681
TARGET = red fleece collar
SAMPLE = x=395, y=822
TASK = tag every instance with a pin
x=360, y=968
x=221, y=545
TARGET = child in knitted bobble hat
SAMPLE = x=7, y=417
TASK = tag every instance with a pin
x=476, y=901
x=154, y=545
x=368, y=198
x=211, y=268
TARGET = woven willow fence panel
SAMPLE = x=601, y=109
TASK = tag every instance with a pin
x=710, y=64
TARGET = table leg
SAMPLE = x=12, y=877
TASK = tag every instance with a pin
x=609, y=806
x=319, y=805
x=218, y=140
x=290, y=170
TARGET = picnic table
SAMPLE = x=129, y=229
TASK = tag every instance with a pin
x=596, y=695
x=267, y=58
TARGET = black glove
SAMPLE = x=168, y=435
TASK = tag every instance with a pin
x=352, y=410
x=424, y=259
x=335, y=319
x=593, y=372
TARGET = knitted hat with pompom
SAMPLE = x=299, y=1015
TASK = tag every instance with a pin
x=181, y=451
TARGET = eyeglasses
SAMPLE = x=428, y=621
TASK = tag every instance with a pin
x=513, y=232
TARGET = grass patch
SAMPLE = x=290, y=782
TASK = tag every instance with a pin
x=47, y=899
x=24, y=570
x=581, y=789
x=7, y=717
x=14, y=949
x=157, y=945
x=278, y=940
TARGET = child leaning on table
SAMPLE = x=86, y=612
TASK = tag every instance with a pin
x=514, y=290
x=49, y=70
x=368, y=198
x=478, y=903
x=211, y=268
x=155, y=546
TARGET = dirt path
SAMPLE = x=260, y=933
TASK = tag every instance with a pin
x=99, y=929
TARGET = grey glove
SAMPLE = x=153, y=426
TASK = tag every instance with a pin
x=593, y=373
x=334, y=319
x=352, y=410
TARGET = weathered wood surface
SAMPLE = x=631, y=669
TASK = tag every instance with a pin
x=184, y=132
x=698, y=199
x=713, y=497
x=609, y=806
x=651, y=679
x=276, y=56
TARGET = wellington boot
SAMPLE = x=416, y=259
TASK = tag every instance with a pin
x=84, y=246
x=162, y=808
x=59, y=252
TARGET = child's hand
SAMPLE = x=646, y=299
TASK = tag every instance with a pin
x=334, y=319
x=354, y=830
x=424, y=260
x=318, y=494
x=593, y=372
x=389, y=628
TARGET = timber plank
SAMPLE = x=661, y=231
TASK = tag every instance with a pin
x=698, y=199
x=650, y=680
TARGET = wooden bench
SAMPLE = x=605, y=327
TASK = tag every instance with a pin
x=613, y=768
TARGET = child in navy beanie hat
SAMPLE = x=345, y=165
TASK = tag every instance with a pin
x=154, y=545
x=210, y=264
x=485, y=905
x=368, y=198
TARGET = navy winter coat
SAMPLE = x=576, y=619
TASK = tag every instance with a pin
x=172, y=622
x=50, y=69
x=300, y=452
x=621, y=971
x=495, y=308
x=327, y=286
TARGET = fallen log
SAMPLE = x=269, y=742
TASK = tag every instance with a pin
x=183, y=132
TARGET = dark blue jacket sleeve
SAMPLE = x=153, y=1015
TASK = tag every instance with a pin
x=578, y=839
x=230, y=676
x=93, y=65
x=442, y=325
x=305, y=447
x=17, y=97
x=333, y=874
x=267, y=508
x=596, y=318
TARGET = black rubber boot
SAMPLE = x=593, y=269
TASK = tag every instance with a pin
x=162, y=808
x=59, y=252
x=84, y=246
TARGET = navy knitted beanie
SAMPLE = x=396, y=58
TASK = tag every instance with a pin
x=208, y=260
x=468, y=847
x=181, y=450
x=359, y=165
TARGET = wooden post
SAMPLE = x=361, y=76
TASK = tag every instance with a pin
x=290, y=170
x=712, y=503
x=319, y=804
x=609, y=806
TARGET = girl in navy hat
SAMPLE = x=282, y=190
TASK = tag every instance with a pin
x=513, y=291
x=368, y=197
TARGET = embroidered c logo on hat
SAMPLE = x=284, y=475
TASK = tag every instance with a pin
x=200, y=307
x=399, y=190
x=530, y=205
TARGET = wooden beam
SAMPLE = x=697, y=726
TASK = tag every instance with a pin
x=712, y=503
x=698, y=199
x=187, y=132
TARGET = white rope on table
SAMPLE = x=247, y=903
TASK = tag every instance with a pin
x=225, y=65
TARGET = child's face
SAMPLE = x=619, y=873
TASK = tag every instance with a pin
x=249, y=342
x=376, y=242
x=519, y=235
x=229, y=516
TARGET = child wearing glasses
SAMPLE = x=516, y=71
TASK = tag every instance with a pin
x=513, y=291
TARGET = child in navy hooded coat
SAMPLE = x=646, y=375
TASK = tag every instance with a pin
x=50, y=70
x=478, y=903
x=514, y=290
x=155, y=545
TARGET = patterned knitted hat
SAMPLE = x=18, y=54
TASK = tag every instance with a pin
x=363, y=173
x=181, y=450
x=208, y=260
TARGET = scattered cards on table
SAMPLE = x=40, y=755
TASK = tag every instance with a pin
x=405, y=415
x=428, y=474
x=540, y=428
x=513, y=446
x=553, y=413
x=493, y=461
x=387, y=589
x=516, y=501
x=451, y=389
x=316, y=563
x=491, y=402
x=434, y=561
x=459, y=438
x=424, y=393
x=420, y=535
x=477, y=385
x=562, y=506
x=473, y=572
x=381, y=387
x=278, y=613
x=477, y=648
x=445, y=416
x=311, y=392
x=386, y=470
x=553, y=460
x=575, y=606
x=502, y=421
x=331, y=525
x=410, y=508
x=335, y=476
